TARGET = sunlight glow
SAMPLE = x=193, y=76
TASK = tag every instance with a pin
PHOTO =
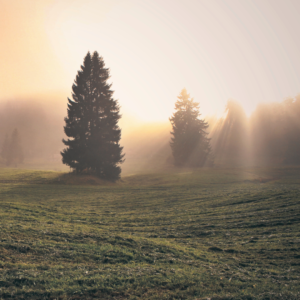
x=218, y=50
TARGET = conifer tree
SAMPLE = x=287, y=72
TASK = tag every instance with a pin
x=189, y=142
x=92, y=123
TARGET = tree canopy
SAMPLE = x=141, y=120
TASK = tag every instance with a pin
x=92, y=123
x=189, y=142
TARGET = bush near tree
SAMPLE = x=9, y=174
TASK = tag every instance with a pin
x=92, y=123
x=189, y=142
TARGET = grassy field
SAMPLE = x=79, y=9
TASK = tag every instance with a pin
x=218, y=234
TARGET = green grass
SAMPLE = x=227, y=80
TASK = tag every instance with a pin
x=210, y=233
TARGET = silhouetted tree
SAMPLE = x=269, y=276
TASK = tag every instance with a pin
x=189, y=142
x=92, y=123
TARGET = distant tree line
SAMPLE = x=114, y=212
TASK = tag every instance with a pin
x=39, y=125
x=12, y=151
x=271, y=135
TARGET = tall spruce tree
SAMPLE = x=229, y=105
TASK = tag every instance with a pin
x=189, y=142
x=92, y=123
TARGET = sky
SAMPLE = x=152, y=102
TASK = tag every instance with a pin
x=245, y=50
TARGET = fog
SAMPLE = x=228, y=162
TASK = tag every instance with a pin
x=269, y=136
x=40, y=120
x=147, y=148
x=230, y=136
x=40, y=127
x=275, y=132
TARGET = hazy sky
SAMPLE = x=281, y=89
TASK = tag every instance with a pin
x=218, y=49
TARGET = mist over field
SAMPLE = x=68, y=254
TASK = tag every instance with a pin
x=269, y=136
x=40, y=124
